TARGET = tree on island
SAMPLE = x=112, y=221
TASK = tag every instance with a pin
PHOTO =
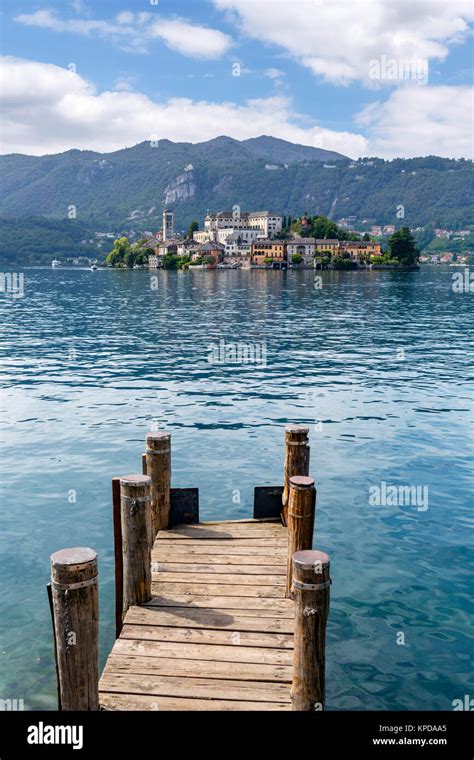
x=116, y=257
x=125, y=256
x=193, y=227
x=402, y=247
x=296, y=258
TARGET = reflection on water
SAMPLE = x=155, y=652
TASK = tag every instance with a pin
x=376, y=363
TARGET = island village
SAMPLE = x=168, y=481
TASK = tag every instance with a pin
x=234, y=239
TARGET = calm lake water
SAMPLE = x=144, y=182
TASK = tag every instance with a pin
x=377, y=364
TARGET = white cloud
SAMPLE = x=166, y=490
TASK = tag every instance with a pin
x=48, y=109
x=273, y=73
x=337, y=40
x=134, y=31
x=417, y=120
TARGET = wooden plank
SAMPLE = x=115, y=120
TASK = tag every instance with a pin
x=222, y=578
x=215, y=589
x=219, y=532
x=224, y=531
x=246, y=605
x=245, y=541
x=209, y=652
x=186, y=617
x=167, y=666
x=228, y=548
x=197, y=688
x=245, y=521
x=142, y=702
x=208, y=636
x=200, y=557
x=161, y=566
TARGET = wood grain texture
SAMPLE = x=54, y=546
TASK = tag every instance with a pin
x=296, y=461
x=74, y=591
x=217, y=633
x=310, y=569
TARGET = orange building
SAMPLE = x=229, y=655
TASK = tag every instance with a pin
x=268, y=249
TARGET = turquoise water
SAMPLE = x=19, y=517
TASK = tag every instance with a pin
x=377, y=364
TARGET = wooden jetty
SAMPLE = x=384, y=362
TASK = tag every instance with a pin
x=225, y=615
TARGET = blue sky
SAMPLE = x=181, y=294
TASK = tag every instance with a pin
x=366, y=77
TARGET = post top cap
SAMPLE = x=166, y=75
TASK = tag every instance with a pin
x=76, y=555
x=158, y=435
x=296, y=429
x=309, y=558
x=135, y=480
x=301, y=481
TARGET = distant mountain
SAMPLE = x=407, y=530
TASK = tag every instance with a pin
x=284, y=152
x=129, y=188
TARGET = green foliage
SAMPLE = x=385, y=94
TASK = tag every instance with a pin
x=268, y=260
x=296, y=258
x=107, y=188
x=193, y=227
x=38, y=240
x=402, y=247
x=343, y=262
x=170, y=261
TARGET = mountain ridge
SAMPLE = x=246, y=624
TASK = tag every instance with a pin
x=131, y=186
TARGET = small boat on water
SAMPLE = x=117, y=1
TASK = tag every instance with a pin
x=55, y=263
x=94, y=267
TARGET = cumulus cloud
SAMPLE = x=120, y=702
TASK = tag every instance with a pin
x=423, y=121
x=134, y=31
x=48, y=109
x=337, y=40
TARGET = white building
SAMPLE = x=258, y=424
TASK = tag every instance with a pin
x=270, y=224
x=225, y=219
x=237, y=245
x=305, y=247
x=248, y=234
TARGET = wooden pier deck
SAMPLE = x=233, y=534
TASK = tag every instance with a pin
x=218, y=631
x=226, y=615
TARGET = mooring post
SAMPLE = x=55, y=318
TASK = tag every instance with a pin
x=75, y=605
x=296, y=461
x=301, y=510
x=311, y=584
x=158, y=468
x=118, y=555
x=135, y=515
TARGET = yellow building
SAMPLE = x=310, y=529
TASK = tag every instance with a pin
x=326, y=244
x=355, y=248
x=359, y=248
x=268, y=249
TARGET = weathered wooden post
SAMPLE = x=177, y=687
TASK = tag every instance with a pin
x=158, y=468
x=75, y=606
x=135, y=514
x=118, y=555
x=311, y=583
x=301, y=511
x=296, y=461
